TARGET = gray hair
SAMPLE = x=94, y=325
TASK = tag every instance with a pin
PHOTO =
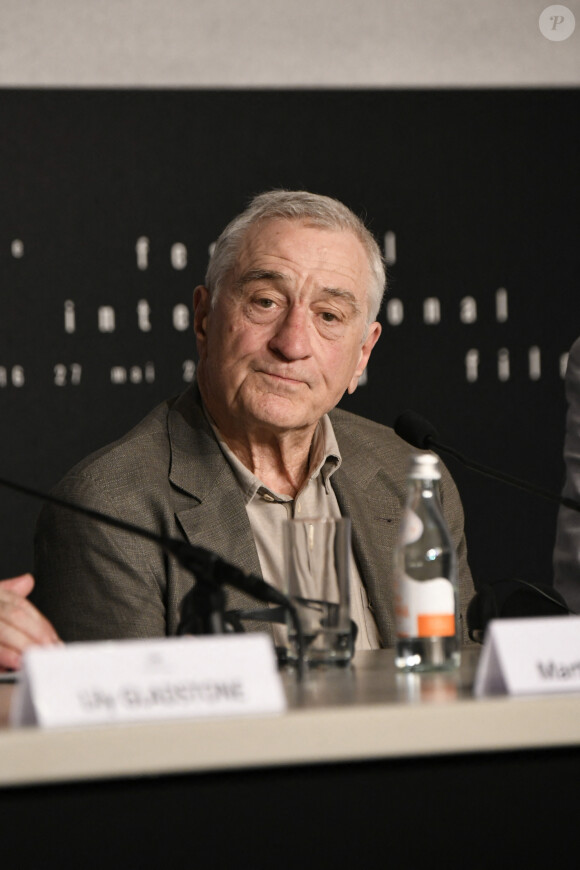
x=317, y=211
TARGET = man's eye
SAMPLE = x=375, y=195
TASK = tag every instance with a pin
x=329, y=317
x=265, y=303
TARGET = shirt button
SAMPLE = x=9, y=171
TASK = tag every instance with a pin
x=267, y=497
x=298, y=507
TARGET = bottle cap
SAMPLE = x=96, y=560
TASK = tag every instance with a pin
x=424, y=466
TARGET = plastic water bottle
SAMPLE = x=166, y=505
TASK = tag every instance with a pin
x=426, y=596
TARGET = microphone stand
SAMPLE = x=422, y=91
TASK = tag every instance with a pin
x=210, y=571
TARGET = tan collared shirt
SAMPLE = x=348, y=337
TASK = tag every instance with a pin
x=268, y=510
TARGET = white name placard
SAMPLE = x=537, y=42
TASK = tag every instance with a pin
x=144, y=680
x=540, y=655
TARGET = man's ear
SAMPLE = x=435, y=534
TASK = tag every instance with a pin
x=373, y=334
x=201, y=307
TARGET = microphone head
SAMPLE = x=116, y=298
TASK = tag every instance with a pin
x=415, y=429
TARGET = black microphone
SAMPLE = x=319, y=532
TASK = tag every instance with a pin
x=415, y=429
x=420, y=433
x=209, y=569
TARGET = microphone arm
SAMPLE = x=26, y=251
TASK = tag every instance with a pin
x=505, y=478
x=420, y=433
x=210, y=570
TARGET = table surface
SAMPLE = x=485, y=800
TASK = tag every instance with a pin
x=362, y=712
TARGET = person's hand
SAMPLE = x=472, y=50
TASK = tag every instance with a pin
x=21, y=624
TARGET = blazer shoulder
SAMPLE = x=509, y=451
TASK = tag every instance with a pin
x=142, y=450
x=357, y=433
x=360, y=438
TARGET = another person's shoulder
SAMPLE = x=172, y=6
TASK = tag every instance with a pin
x=574, y=359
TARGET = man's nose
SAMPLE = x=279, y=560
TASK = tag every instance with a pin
x=291, y=337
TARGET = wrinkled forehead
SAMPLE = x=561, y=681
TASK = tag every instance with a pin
x=305, y=246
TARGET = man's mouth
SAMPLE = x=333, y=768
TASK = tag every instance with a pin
x=283, y=378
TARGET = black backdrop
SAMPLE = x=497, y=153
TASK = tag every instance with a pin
x=110, y=200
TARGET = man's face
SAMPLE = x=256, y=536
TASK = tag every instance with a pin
x=287, y=335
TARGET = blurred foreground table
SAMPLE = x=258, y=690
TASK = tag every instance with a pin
x=365, y=711
x=364, y=756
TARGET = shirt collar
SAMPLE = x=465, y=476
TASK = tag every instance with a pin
x=325, y=459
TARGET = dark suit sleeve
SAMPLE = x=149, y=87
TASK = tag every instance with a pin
x=95, y=582
x=567, y=549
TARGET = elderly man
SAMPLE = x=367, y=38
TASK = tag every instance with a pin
x=285, y=324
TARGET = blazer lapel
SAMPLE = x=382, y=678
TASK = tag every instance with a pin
x=368, y=494
x=214, y=516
